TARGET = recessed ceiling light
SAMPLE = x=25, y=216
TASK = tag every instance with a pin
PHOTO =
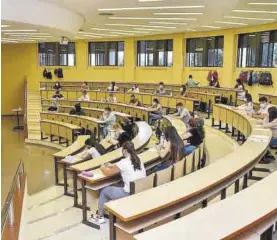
x=8, y=41
x=20, y=30
x=91, y=36
x=150, y=0
x=168, y=23
x=27, y=33
x=148, y=8
x=79, y=37
x=96, y=34
x=114, y=30
x=206, y=26
x=250, y=18
x=29, y=36
x=262, y=3
x=150, y=29
x=191, y=30
x=147, y=18
x=136, y=25
x=4, y=26
x=168, y=13
x=232, y=23
x=121, y=33
x=18, y=39
x=254, y=11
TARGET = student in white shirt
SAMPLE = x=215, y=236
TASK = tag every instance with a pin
x=85, y=86
x=263, y=111
x=111, y=98
x=130, y=168
x=109, y=119
x=182, y=113
x=161, y=90
x=239, y=85
x=134, y=89
x=85, y=96
x=112, y=87
x=93, y=150
x=248, y=106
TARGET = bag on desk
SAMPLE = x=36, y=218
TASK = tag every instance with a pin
x=224, y=100
x=203, y=106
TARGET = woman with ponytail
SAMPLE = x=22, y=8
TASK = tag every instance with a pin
x=130, y=168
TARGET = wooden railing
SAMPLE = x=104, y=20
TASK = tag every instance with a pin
x=25, y=108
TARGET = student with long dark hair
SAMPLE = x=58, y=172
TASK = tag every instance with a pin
x=271, y=122
x=130, y=168
x=248, y=106
x=156, y=110
x=239, y=85
x=173, y=150
x=57, y=86
x=112, y=87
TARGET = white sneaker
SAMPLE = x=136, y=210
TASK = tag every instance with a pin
x=97, y=219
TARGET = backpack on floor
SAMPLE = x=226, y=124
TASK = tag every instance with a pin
x=266, y=79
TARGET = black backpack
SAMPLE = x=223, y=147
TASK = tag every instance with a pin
x=266, y=79
x=60, y=73
x=44, y=73
x=250, y=79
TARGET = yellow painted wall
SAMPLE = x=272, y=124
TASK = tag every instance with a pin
x=20, y=60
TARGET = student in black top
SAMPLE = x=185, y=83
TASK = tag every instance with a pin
x=128, y=126
x=58, y=96
x=194, y=136
x=183, y=90
x=77, y=110
x=57, y=86
x=120, y=136
x=134, y=101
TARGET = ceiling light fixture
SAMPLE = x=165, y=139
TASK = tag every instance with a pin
x=250, y=18
x=5, y=26
x=168, y=23
x=121, y=33
x=20, y=30
x=18, y=39
x=232, y=23
x=150, y=29
x=8, y=41
x=253, y=11
x=29, y=36
x=136, y=25
x=149, y=8
x=96, y=34
x=261, y=3
x=188, y=13
x=150, y=0
x=206, y=26
x=91, y=36
x=27, y=33
x=191, y=30
x=147, y=18
x=114, y=30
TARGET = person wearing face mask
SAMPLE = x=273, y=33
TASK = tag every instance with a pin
x=263, y=111
x=131, y=168
x=248, y=106
x=112, y=87
x=134, y=89
x=194, y=136
x=156, y=111
x=191, y=82
x=182, y=113
x=161, y=90
x=134, y=101
x=85, y=96
x=119, y=137
x=57, y=86
x=239, y=85
x=108, y=119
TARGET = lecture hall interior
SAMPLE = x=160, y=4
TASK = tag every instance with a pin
x=139, y=119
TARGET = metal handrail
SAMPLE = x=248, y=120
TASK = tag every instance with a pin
x=8, y=208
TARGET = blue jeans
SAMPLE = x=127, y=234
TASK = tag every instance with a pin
x=273, y=142
x=189, y=149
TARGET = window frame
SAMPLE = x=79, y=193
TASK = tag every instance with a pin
x=107, y=45
x=158, y=52
x=44, y=58
x=193, y=55
x=244, y=54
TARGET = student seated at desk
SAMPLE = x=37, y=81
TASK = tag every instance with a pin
x=94, y=150
x=54, y=106
x=161, y=90
x=57, y=86
x=191, y=82
x=130, y=168
x=183, y=90
x=214, y=82
x=182, y=113
x=77, y=110
x=112, y=87
x=173, y=150
x=111, y=98
x=194, y=135
x=85, y=96
x=134, y=101
x=248, y=106
x=85, y=86
x=263, y=111
x=109, y=119
x=239, y=85
x=156, y=111
x=119, y=136
x=128, y=126
x=134, y=89
x=58, y=96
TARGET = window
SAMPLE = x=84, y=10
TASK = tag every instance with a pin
x=106, y=53
x=257, y=49
x=155, y=53
x=205, y=52
x=56, y=54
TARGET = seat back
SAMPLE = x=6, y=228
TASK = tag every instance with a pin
x=179, y=169
x=189, y=164
x=163, y=176
x=197, y=156
x=142, y=184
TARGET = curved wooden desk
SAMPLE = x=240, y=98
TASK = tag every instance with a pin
x=181, y=194
x=62, y=130
x=228, y=219
x=77, y=146
x=141, y=140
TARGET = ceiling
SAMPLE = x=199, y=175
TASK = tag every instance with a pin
x=128, y=18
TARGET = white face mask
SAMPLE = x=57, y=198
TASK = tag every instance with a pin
x=262, y=105
x=125, y=153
